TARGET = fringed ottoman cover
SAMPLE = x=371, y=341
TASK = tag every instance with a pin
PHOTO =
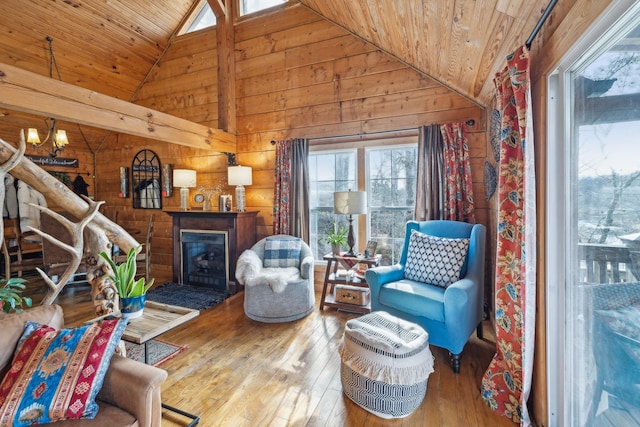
x=386, y=362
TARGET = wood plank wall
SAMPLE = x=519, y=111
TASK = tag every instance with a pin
x=298, y=76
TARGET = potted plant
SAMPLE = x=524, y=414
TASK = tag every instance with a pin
x=10, y=299
x=132, y=292
x=336, y=237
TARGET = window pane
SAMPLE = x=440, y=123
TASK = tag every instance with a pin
x=391, y=174
x=250, y=6
x=328, y=172
x=388, y=229
x=205, y=19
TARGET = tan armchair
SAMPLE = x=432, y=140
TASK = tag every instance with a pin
x=130, y=395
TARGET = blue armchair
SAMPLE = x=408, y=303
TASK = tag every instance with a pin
x=449, y=314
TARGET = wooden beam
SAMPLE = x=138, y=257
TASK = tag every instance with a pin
x=33, y=93
x=226, y=63
x=218, y=7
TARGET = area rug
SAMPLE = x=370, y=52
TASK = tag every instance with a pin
x=159, y=351
x=193, y=297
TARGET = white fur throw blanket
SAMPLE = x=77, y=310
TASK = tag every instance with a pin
x=250, y=272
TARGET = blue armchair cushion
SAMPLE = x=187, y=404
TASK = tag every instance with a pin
x=435, y=260
x=282, y=252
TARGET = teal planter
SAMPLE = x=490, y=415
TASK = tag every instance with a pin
x=132, y=307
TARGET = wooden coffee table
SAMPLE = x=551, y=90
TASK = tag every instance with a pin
x=156, y=319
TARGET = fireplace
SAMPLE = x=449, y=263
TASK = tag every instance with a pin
x=238, y=229
x=204, y=256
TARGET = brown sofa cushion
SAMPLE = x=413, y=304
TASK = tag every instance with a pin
x=12, y=326
x=108, y=416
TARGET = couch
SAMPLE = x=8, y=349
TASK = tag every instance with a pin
x=130, y=395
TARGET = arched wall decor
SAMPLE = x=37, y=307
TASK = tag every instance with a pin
x=146, y=180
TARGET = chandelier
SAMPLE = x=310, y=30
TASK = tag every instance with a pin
x=57, y=136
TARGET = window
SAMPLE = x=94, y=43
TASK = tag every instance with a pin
x=204, y=18
x=251, y=6
x=391, y=190
x=389, y=175
x=329, y=171
x=594, y=221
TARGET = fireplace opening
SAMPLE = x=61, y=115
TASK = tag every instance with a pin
x=204, y=258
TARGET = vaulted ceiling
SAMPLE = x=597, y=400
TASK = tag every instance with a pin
x=460, y=43
x=111, y=46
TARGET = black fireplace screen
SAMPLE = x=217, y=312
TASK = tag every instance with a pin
x=204, y=258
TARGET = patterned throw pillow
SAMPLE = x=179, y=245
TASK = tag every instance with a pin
x=435, y=260
x=282, y=252
x=56, y=375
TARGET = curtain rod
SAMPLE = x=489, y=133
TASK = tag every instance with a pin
x=540, y=22
x=364, y=136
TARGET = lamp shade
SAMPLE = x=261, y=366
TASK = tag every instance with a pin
x=184, y=178
x=350, y=202
x=32, y=136
x=239, y=175
x=61, y=138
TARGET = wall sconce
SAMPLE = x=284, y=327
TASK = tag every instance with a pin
x=185, y=179
x=350, y=203
x=239, y=176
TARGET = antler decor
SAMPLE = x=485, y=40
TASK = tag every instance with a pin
x=101, y=230
x=76, y=231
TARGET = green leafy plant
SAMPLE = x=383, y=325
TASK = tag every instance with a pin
x=124, y=275
x=336, y=236
x=10, y=298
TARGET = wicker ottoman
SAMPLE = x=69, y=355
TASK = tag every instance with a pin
x=385, y=364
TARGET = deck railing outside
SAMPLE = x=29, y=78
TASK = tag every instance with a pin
x=602, y=263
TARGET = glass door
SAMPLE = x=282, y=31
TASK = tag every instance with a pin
x=594, y=187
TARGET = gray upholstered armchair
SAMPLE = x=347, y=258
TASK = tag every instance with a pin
x=277, y=274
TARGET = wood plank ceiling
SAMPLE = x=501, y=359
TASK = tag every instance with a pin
x=105, y=46
x=460, y=43
x=110, y=47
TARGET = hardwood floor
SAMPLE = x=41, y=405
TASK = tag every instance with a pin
x=239, y=372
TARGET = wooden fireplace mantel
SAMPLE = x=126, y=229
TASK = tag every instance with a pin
x=240, y=226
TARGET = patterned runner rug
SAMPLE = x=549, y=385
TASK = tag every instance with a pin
x=159, y=351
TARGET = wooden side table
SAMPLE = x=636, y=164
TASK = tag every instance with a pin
x=331, y=279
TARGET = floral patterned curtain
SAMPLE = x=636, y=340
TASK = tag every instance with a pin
x=507, y=382
x=291, y=193
x=458, y=192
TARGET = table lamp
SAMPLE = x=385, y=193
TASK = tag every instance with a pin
x=350, y=203
x=239, y=176
x=185, y=179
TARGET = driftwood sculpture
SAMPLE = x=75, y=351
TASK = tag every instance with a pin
x=75, y=249
x=100, y=230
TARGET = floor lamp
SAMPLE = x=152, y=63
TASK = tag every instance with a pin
x=350, y=203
